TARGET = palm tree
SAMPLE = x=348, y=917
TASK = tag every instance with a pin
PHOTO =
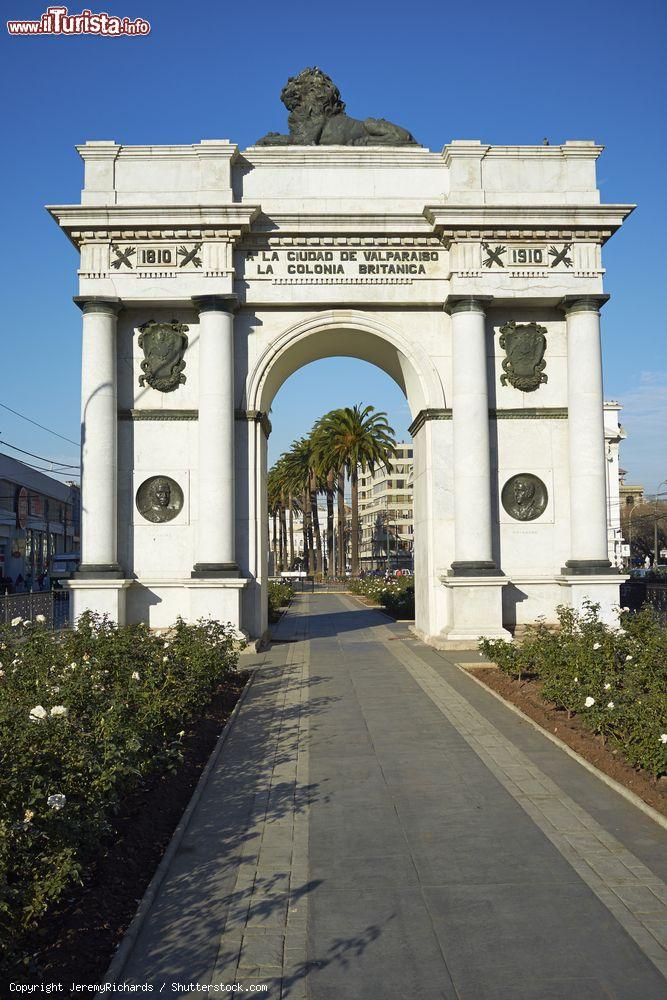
x=358, y=438
x=298, y=479
x=328, y=471
x=273, y=499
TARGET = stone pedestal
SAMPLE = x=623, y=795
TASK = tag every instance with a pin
x=596, y=588
x=103, y=596
x=475, y=610
x=218, y=599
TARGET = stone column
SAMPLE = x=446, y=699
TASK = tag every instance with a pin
x=472, y=459
x=216, y=524
x=99, y=417
x=589, y=552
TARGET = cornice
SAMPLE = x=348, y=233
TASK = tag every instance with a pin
x=477, y=221
x=110, y=220
x=506, y=413
x=323, y=223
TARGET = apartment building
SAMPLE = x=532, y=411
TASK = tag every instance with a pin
x=386, y=519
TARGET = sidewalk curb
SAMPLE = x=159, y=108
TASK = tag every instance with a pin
x=604, y=778
x=126, y=945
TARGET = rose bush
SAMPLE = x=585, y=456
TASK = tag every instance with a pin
x=614, y=679
x=85, y=716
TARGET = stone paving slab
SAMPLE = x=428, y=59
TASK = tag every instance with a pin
x=376, y=828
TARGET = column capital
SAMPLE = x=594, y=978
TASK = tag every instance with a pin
x=215, y=303
x=582, y=303
x=467, y=303
x=107, y=305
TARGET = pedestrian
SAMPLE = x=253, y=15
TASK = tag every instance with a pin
x=28, y=582
x=46, y=580
x=20, y=584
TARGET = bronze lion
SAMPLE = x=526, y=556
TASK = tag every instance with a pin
x=317, y=118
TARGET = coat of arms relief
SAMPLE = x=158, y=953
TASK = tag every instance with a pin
x=524, y=345
x=164, y=345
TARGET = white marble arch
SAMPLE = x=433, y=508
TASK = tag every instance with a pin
x=344, y=333
x=411, y=259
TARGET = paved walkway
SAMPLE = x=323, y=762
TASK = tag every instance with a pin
x=378, y=826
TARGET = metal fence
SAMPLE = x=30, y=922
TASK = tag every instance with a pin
x=52, y=604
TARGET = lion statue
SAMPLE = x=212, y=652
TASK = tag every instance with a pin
x=317, y=118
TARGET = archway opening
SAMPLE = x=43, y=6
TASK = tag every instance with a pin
x=281, y=351
x=316, y=534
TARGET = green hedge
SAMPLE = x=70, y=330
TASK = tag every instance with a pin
x=614, y=679
x=85, y=716
x=396, y=595
x=280, y=596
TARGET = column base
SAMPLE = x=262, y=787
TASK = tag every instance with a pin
x=475, y=568
x=215, y=571
x=588, y=567
x=101, y=595
x=474, y=610
x=103, y=571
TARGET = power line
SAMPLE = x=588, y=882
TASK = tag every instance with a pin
x=41, y=458
x=47, y=429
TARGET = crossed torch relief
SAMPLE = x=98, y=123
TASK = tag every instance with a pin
x=494, y=255
x=123, y=255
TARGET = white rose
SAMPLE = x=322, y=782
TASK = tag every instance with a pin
x=56, y=801
x=589, y=702
x=607, y=687
x=16, y=621
x=628, y=658
x=610, y=704
x=597, y=645
x=59, y=712
x=663, y=737
x=40, y=618
x=135, y=675
x=38, y=713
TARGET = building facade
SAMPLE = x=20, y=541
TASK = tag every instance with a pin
x=39, y=517
x=613, y=436
x=386, y=515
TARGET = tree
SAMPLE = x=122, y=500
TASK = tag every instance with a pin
x=331, y=474
x=639, y=523
x=358, y=438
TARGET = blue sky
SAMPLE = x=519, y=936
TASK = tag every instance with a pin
x=510, y=72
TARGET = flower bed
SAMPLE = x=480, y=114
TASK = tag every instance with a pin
x=397, y=596
x=85, y=718
x=614, y=680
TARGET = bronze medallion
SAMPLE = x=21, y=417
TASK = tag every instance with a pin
x=524, y=364
x=524, y=497
x=159, y=499
x=163, y=345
